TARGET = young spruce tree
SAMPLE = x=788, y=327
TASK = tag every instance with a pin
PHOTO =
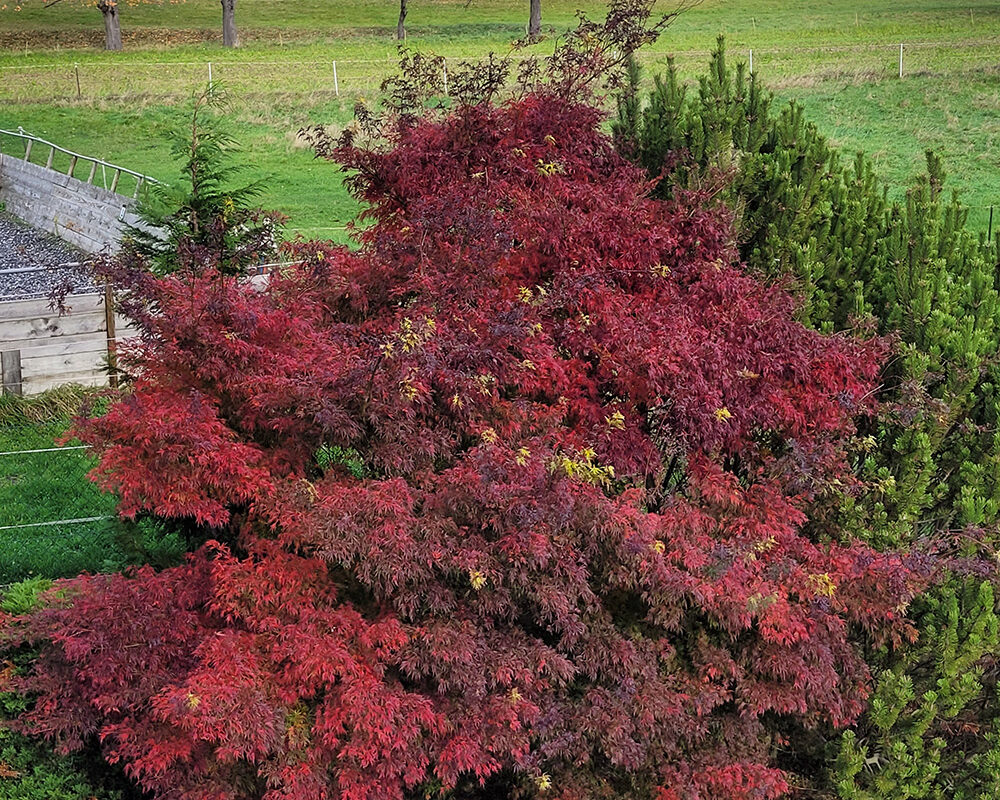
x=204, y=220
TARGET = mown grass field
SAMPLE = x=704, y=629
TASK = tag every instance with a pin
x=838, y=58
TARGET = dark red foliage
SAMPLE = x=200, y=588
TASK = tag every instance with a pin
x=515, y=494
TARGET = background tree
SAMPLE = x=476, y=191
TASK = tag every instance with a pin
x=534, y=19
x=112, y=25
x=230, y=36
x=401, y=24
x=109, y=12
x=204, y=219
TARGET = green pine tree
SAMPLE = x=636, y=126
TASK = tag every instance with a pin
x=930, y=463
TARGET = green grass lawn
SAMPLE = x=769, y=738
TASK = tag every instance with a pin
x=838, y=58
x=45, y=487
x=53, y=487
x=896, y=122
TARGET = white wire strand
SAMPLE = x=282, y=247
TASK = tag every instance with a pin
x=54, y=522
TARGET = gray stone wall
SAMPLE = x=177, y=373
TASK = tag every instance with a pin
x=82, y=214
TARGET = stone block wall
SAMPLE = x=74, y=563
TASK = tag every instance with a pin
x=87, y=216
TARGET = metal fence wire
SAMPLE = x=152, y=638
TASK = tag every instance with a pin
x=53, y=520
x=353, y=77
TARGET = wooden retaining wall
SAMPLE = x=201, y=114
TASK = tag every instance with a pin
x=39, y=349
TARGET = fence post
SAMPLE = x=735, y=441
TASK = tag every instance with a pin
x=336, y=83
x=209, y=76
x=751, y=61
x=444, y=66
x=76, y=70
x=10, y=366
x=900, y=59
x=109, y=324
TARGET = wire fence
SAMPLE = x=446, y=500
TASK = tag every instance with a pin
x=53, y=521
x=361, y=77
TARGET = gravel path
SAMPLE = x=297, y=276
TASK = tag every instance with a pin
x=24, y=248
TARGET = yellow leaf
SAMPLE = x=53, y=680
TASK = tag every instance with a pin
x=616, y=421
x=822, y=584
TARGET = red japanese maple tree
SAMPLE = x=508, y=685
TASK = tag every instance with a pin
x=511, y=502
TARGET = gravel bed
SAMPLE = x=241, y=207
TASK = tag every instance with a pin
x=23, y=247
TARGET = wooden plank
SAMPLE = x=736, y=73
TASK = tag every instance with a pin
x=59, y=365
x=41, y=328
x=124, y=332
x=59, y=345
x=109, y=326
x=22, y=309
x=33, y=320
x=10, y=368
x=89, y=378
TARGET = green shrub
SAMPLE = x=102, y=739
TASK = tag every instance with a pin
x=930, y=465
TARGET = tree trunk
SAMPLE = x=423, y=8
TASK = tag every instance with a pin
x=112, y=25
x=535, y=19
x=401, y=25
x=230, y=38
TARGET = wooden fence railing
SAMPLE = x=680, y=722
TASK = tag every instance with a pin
x=41, y=348
x=29, y=141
